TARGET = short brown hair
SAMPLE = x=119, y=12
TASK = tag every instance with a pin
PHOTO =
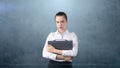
x=61, y=14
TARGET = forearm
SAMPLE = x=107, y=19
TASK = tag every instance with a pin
x=58, y=51
x=72, y=52
x=66, y=58
x=60, y=57
x=49, y=55
x=65, y=52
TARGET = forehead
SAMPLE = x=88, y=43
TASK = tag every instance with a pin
x=60, y=18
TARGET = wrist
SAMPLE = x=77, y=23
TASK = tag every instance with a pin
x=55, y=51
x=60, y=57
x=58, y=51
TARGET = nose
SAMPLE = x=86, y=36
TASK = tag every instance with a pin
x=59, y=24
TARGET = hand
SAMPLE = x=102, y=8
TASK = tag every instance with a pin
x=50, y=48
x=67, y=58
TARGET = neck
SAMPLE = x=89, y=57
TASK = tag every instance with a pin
x=61, y=31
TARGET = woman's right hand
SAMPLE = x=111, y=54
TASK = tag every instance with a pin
x=67, y=58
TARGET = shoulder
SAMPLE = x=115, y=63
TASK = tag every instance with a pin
x=51, y=34
x=72, y=33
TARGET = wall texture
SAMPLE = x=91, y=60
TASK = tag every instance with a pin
x=25, y=24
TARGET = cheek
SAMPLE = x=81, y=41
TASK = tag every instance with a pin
x=65, y=24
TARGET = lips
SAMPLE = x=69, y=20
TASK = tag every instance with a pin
x=60, y=27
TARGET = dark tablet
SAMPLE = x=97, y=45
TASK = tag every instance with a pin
x=62, y=45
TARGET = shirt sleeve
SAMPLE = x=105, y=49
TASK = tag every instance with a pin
x=47, y=54
x=74, y=50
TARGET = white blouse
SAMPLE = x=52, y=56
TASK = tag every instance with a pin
x=56, y=36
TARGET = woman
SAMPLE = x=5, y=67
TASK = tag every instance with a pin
x=60, y=58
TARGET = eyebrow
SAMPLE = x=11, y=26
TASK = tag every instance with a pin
x=62, y=21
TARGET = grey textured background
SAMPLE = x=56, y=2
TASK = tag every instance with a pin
x=25, y=24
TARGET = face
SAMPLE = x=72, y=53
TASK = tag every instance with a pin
x=61, y=23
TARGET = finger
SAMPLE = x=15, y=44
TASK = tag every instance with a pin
x=49, y=45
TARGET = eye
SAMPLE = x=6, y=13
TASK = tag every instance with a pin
x=62, y=21
x=57, y=22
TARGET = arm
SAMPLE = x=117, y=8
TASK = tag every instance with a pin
x=72, y=52
x=53, y=56
x=45, y=53
x=66, y=58
x=51, y=49
x=59, y=53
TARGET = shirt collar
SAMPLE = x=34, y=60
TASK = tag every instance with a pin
x=62, y=33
